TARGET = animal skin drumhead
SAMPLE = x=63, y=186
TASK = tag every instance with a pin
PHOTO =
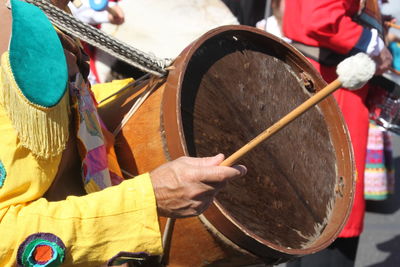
x=235, y=85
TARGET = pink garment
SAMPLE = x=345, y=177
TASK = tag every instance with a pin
x=379, y=172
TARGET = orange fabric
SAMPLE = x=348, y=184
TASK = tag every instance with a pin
x=113, y=165
x=43, y=253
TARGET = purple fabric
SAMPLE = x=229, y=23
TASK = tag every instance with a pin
x=96, y=161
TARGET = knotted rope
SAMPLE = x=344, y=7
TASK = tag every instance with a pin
x=95, y=37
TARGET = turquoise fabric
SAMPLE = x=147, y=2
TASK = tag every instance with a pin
x=36, y=56
x=395, y=49
x=28, y=257
x=3, y=174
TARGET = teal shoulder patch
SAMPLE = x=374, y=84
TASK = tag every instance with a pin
x=3, y=174
x=37, y=57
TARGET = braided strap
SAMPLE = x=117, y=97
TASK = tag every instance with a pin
x=99, y=39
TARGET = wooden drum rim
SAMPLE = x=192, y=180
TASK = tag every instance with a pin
x=172, y=132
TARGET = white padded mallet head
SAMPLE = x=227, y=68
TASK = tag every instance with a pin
x=355, y=71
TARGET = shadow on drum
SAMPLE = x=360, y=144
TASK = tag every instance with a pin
x=113, y=114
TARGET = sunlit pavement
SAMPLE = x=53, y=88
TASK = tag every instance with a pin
x=380, y=241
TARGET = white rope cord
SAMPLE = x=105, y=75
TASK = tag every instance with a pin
x=129, y=85
x=127, y=174
x=141, y=98
x=66, y=22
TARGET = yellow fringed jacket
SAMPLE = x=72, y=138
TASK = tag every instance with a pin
x=91, y=229
x=87, y=230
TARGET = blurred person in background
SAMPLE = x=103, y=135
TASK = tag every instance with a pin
x=273, y=23
x=113, y=14
x=248, y=12
x=327, y=31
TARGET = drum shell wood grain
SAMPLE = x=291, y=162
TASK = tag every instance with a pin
x=140, y=148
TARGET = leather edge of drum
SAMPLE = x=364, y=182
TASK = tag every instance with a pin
x=221, y=236
x=293, y=59
x=228, y=242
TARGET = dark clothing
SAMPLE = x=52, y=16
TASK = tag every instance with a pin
x=248, y=12
x=341, y=253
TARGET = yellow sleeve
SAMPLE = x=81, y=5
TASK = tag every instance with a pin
x=92, y=228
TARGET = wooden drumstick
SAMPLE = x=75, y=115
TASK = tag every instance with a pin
x=394, y=71
x=353, y=73
x=387, y=23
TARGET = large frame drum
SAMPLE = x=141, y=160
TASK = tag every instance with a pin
x=222, y=91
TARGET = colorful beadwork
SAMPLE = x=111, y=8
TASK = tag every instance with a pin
x=3, y=174
x=95, y=171
x=41, y=249
x=379, y=178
